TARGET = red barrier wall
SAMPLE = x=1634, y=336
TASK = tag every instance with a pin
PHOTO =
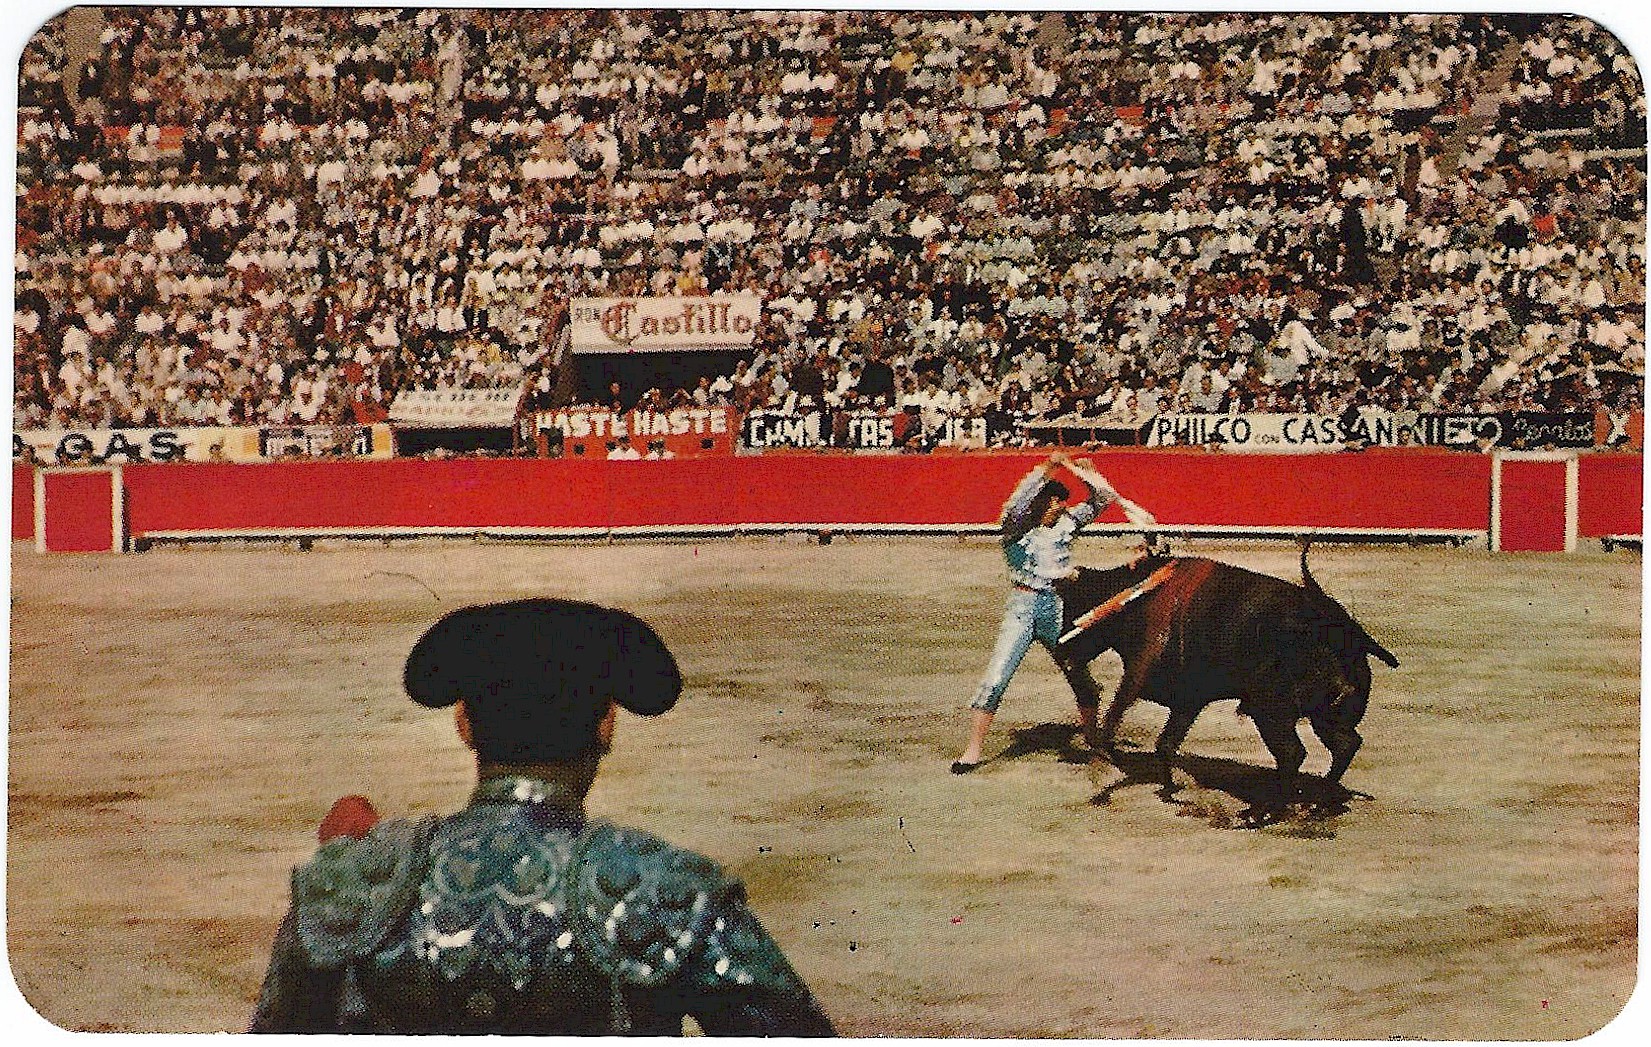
x=1610, y=495
x=342, y=495
x=80, y=508
x=1421, y=490
x=22, y=503
x=1533, y=506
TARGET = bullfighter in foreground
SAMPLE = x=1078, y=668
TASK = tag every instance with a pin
x=517, y=915
x=1038, y=530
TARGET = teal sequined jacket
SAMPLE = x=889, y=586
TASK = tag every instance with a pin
x=515, y=916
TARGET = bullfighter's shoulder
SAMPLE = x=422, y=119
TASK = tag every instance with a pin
x=350, y=894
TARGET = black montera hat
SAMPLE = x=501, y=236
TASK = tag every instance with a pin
x=536, y=675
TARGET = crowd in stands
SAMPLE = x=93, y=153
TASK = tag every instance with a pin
x=284, y=215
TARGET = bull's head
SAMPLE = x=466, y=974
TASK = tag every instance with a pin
x=1091, y=589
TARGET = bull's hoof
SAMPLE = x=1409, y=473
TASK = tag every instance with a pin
x=1106, y=776
x=1083, y=755
x=1217, y=818
x=1325, y=810
x=1257, y=817
x=1192, y=800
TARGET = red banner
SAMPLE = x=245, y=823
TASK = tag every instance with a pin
x=684, y=432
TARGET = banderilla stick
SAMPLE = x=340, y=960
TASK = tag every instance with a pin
x=1117, y=603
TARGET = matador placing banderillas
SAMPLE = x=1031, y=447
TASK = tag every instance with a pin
x=1038, y=529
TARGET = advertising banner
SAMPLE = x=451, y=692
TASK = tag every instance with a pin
x=686, y=431
x=325, y=441
x=1378, y=428
x=763, y=429
x=860, y=431
x=456, y=408
x=123, y=446
x=1619, y=430
x=205, y=444
x=1266, y=431
x=1535, y=430
x=651, y=325
x=1521, y=430
x=1460, y=430
x=869, y=430
x=1261, y=431
x=1247, y=432
x=964, y=432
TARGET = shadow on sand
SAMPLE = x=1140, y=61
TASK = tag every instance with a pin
x=1204, y=786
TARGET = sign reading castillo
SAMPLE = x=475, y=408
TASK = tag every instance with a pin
x=631, y=325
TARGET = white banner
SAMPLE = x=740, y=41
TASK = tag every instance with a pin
x=204, y=444
x=456, y=408
x=120, y=446
x=643, y=325
x=323, y=441
x=778, y=429
x=1260, y=431
x=964, y=432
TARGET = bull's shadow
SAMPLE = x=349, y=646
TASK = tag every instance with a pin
x=1264, y=795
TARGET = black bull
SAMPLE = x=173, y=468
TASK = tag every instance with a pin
x=1208, y=631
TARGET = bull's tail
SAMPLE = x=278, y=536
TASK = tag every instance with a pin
x=1329, y=604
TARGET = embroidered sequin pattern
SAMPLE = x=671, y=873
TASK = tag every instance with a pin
x=496, y=895
x=352, y=893
x=519, y=900
x=642, y=903
x=737, y=951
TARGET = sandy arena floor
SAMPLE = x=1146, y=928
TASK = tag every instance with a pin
x=181, y=719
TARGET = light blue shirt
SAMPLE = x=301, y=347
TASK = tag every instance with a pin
x=1038, y=555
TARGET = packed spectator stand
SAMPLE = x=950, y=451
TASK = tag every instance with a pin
x=283, y=216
